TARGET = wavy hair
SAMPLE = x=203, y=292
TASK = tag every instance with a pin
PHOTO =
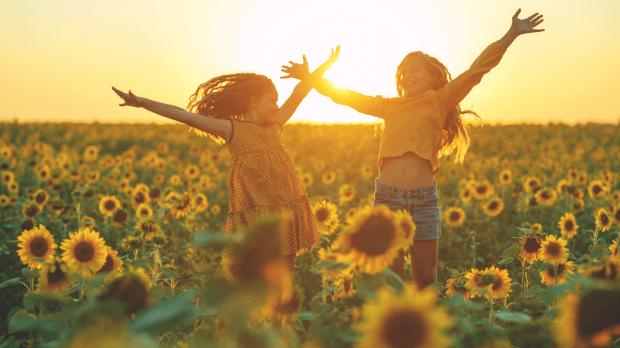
x=227, y=97
x=455, y=135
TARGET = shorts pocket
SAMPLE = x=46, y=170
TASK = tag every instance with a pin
x=430, y=201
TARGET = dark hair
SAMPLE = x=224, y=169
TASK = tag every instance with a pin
x=228, y=96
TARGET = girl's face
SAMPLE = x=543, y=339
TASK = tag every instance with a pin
x=267, y=106
x=416, y=79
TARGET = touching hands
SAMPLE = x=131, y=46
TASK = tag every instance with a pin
x=527, y=25
x=130, y=99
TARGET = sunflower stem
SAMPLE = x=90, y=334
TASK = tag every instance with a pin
x=31, y=284
x=324, y=292
x=555, y=273
x=490, y=304
x=595, y=237
x=524, y=276
x=155, y=264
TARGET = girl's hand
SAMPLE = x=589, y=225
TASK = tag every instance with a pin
x=333, y=57
x=296, y=71
x=130, y=99
x=527, y=25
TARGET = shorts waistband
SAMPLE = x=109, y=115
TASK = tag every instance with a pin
x=420, y=192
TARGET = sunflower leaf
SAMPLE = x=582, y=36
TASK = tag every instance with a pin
x=179, y=310
x=394, y=280
x=533, y=291
x=9, y=282
x=597, y=251
x=506, y=260
x=512, y=252
x=514, y=317
x=330, y=265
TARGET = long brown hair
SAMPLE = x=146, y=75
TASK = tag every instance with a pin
x=455, y=136
x=227, y=97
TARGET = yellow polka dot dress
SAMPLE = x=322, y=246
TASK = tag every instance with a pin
x=262, y=180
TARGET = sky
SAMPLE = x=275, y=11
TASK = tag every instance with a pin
x=59, y=59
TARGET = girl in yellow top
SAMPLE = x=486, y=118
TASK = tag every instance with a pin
x=241, y=109
x=422, y=124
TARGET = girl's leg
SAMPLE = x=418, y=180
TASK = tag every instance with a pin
x=398, y=266
x=424, y=262
x=290, y=262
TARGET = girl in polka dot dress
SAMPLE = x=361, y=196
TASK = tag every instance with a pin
x=241, y=109
x=422, y=124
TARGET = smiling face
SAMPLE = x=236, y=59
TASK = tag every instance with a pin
x=414, y=77
x=266, y=106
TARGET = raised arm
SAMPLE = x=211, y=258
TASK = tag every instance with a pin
x=368, y=105
x=304, y=87
x=456, y=90
x=220, y=128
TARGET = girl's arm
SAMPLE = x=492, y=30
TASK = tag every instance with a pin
x=456, y=90
x=368, y=105
x=221, y=128
x=304, y=87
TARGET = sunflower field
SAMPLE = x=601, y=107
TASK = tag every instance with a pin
x=112, y=236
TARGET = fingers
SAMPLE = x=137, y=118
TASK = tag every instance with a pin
x=532, y=16
x=305, y=60
x=516, y=13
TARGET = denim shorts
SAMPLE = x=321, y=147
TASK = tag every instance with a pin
x=421, y=203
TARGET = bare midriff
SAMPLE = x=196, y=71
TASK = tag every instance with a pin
x=408, y=171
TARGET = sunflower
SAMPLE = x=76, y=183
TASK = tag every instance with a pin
x=4, y=200
x=36, y=246
x=536, y=227
x=568, y=225
x=93, y=177
x=577, y=205
x=7, y=177
x=306, y=179
x=159, y=179
x=530, y=247
x=345, y=286
x=108, y=205
x=493, y=206
x=140, y=197
x=162, y=148
x=367, y=171
x=112, y=262
x=329, y=177
x=174, y=180
x=215, y=209
x=6, y=152
x=54, y=276
x=573, y=175
x=546, y=196
x=90, y=153
x=346, y=193
x=183, y=205
x=119, y=218
x=615, y=196
x=548, y=276
x=457, y=286
x=84, y=251
x=32, y=210
x=201, y=203
x=481, y=280
x=482, y=190
x=553, y=250
x=87, y=221
x=148, y=228
x=603, y=221
x=505, y=177
x=40, y=197
x=596, y=189
x=13, y=187
x=154, y=194
x=454, y=216
x=589, y=320
x=130, y=288
x=350, y=215
x=336, y=257
x=324, y=213
x=43, y=172
x=144, y=211
x=465, y=195
x=372, y=241
x=286, y=309
x=411, y=320
x=319, y=165
x=192, y=171
x=407, y=225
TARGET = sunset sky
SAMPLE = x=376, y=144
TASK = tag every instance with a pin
x=59, y=59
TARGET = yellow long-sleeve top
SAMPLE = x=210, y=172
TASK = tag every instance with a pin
x=416, y=124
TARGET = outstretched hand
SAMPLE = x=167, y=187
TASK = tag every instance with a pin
x=130, y=99
x=527, y=25
x=300, y=71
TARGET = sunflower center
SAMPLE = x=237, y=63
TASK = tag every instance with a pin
x=505, y=177
x=596, y=189
x=38, y=246
x=154, y=193
x=32, y=210
x=487, y=280
x=545, y=195
x=404, y=329
x=497, y=284
x=27, y=225
x=40, y=198
x=493, y=205
x=568, y=225
x=598, y=311
x=617, y=215
x=553, y=249
x=84, y=252
x=120, y=216
x=531, y=245
x=109, y=205
x=374, y=237
x=108, y=265
x=604, y=219
x=322, y=215
x=481, y=189
x=455, y=216
x=139, y=199
x=57, y=276
x=144, y=212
